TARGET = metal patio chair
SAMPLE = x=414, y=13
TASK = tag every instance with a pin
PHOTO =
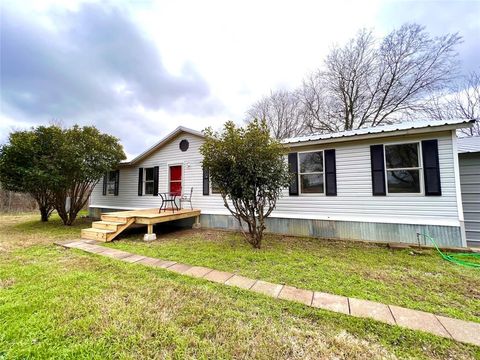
x=187, y=198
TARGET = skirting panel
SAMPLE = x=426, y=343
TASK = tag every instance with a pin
x=447, y=236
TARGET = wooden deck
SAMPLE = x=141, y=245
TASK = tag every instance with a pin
x=113, y=223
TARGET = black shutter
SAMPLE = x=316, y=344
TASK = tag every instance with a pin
x=431, y=168
x=104, y=191
x=117, y=180
x=156, y=169
x=140, y=181
x=293, y=168
x=206, y=182
x=330, y=173
x=378, y=170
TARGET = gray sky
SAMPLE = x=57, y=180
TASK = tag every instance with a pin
x=138, y=69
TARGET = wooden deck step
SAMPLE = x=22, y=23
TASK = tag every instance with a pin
x=107, y=225
x=96, y=234
x=113, y=218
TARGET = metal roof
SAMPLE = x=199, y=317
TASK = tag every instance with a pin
x=468, y=144
x=379, y=130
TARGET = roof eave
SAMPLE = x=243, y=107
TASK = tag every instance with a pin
x=162, y=142
x=357, y=137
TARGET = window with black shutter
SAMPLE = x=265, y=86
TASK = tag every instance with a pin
x=311, y=172
x=111, y=182
x=140, y=181
x=206, y=182
x=330, y=173
x=293, y=168
x=431, y=168
x=403, y=168
x=377, y=162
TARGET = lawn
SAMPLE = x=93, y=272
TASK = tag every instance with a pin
x=57, y=303
x=415, y=279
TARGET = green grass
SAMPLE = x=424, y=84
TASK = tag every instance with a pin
x=415, y=279
x=57, y=303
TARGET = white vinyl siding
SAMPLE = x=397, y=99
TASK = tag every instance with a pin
x=354, y=200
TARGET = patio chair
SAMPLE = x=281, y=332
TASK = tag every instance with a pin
x=187, y=198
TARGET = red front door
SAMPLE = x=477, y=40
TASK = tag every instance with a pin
x=176, y=179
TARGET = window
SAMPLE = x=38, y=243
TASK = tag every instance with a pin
x=148, y=182
x=215, y=189
x=112, y=182
x=311, y=172
x=403, y=165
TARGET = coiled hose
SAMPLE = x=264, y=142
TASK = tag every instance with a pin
x=457, y=258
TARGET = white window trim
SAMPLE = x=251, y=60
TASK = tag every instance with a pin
x=145, y=179
x=300, y=193
x=419, y=168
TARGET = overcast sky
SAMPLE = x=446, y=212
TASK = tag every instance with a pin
x=138, y=69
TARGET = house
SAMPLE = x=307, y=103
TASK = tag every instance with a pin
x=382, y=184
x=469, y=159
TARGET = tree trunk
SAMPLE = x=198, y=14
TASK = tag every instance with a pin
x=44, y=213
x=45, y=205
x=256, y=239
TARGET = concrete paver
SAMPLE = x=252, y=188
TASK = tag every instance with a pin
x=418, y=320
x=95, y=249
x=163, y=263
x=331, y=302
x=148, y=261
x=299, y=295
x=179, y=268
x=267, y=288
x=116, y=254
x=133, y=258
x=464, y=331
x=198, y=271
x=218, y=276
x=371, y=309
x=69, y=243
x=240, y=281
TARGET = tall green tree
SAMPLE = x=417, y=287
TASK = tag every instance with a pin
x=28, y=164
x=84, y=157
x=247, y=166
x=58, y=167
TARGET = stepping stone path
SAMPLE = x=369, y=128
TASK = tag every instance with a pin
x=463, y=331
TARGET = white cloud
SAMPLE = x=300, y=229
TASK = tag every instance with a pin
x=233, y=52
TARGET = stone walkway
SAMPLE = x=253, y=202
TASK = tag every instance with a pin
x=459, y=330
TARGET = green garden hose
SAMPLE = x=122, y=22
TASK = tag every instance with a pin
x=456, y=258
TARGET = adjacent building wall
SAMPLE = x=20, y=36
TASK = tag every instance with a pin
x=470, y=184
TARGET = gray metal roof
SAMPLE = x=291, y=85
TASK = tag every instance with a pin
x=379, y=130
x=468, y=144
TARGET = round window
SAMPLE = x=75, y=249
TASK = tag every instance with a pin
x=184, y=145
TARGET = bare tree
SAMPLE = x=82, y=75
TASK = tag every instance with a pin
x=282, y=112
x=462, y=101
x=369, y=82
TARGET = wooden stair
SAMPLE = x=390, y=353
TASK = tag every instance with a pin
x=108, y=228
